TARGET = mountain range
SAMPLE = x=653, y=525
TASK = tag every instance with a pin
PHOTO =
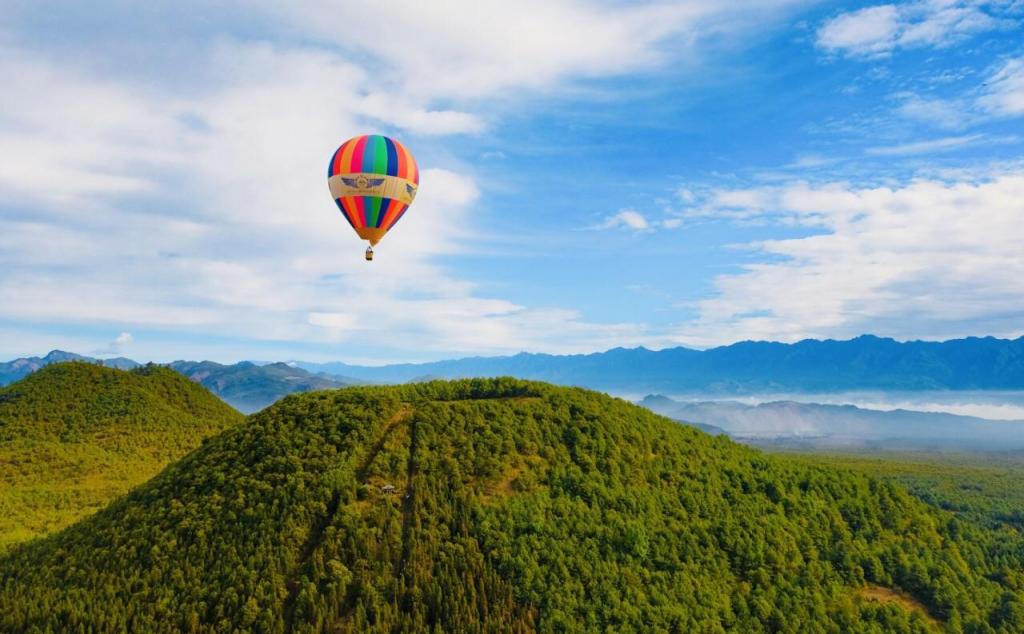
x=246, y=386
x=866, y=362
x=249, y=387
x=17, y=369
x=498, y=505
x=810, y=366
x=833, y=426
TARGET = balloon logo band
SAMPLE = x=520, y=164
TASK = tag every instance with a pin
x=361, y=182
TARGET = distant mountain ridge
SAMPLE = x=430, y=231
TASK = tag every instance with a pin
x=246, y=386
x=820, y=425
x=866, y=362
x=20, y=368
x=249, y=387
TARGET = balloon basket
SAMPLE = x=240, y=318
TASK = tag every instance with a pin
x=369, y=254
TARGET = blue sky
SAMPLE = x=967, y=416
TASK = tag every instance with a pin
x=593, y=175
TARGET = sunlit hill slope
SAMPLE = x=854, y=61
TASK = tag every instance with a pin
x=73, y=436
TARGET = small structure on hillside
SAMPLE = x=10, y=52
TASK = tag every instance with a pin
x=388, y=489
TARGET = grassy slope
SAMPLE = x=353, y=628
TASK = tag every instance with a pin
x=519, y=506
x=74, y=436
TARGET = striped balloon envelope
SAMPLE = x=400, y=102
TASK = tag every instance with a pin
x=373, y=179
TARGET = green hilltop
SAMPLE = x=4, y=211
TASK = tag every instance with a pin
x=74, y=436
x=517, y=507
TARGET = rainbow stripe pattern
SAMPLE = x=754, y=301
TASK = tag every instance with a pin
x=373, y=179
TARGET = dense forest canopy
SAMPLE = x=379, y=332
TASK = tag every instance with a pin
x=983, y=488
x=75, y=436
x=517, y=506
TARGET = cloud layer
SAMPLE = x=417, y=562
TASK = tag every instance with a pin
x=918, y=261
x=879, y=30
x=1004, y=91
x=198, y=204
x=144, y=198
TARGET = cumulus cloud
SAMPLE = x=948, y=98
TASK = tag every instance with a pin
x=457, y=49
x=385, y=108
x=117, y=346
x=878, y=30
x=199, y=205
x=871, y=30
x=626, y=218
x=93, y=131
x=251, y=244
x=929, y=259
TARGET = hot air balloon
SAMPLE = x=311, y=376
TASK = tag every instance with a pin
x=373, y=179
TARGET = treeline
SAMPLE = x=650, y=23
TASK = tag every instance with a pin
x=518, y=507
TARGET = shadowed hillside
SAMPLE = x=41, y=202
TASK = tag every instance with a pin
x=516, y=506
x=73, y=436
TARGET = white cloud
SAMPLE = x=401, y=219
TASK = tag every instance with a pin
x=386, y=108
x=458, y=49
x=626, y=218
x=93, y=133
x=199, y=204
x=117, y=346
x=230, y=230
x=812, y=161
x=871, y=30
x=925, y=147
x=1001, y=95
x=878, y=30
x=1004, y=91
x=949, y=114
x=926, y=260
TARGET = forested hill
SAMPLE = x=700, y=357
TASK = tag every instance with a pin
x=517, y=507
x=11, y=371
x=812, y=365
x=73, y=436
x=246, y=386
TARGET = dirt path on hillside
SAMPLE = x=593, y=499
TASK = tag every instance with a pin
x=399, y=417
x=408, y=510
x=319, y=528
